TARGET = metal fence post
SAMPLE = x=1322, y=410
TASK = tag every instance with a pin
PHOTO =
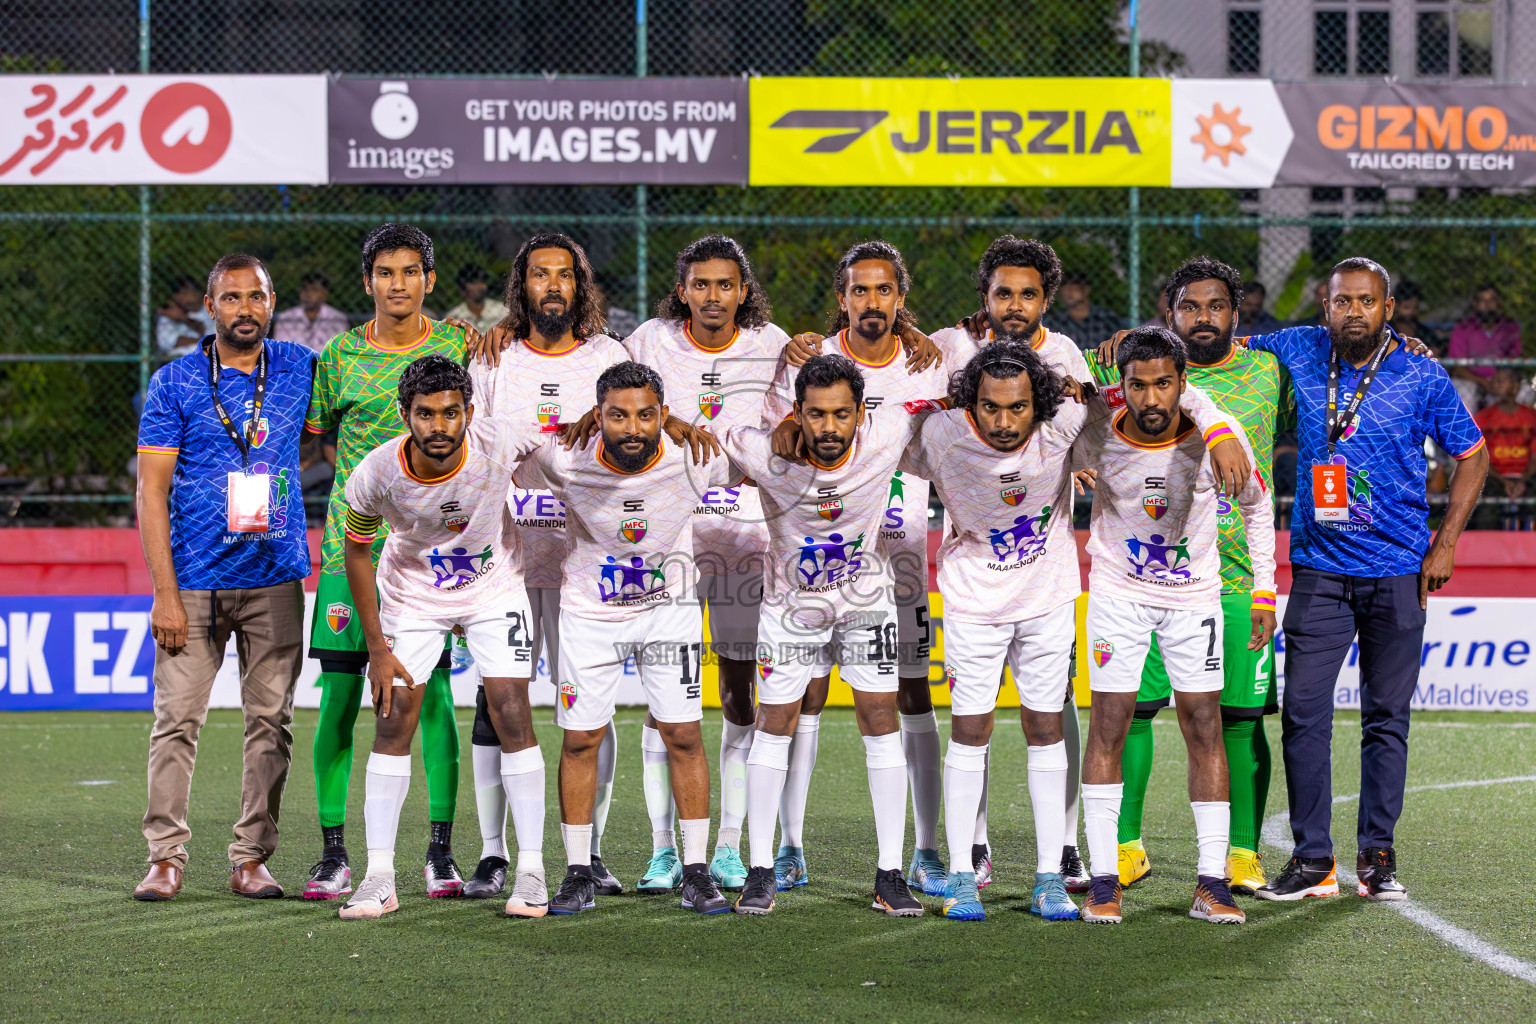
x=642, y=246
x=1133, y=204
x=144, y=261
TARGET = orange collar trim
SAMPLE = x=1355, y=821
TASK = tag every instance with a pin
x=370, y=335
x=1145, y=447
x=602, y=458
x=405, y=464
x=688, y=333
x=842, y=343
x=557, y=353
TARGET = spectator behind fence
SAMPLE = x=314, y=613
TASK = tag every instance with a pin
x=1253, y=317
x=1486, y=332
x=1405, y=318
x=1363, y=564
x=222, y=524
x=1073, y=315
x=1511, y=432
x=181, y=323
x=478, y=307
x=313, y=322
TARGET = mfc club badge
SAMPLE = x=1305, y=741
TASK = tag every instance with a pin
x=830, y=509
x=256, y=431
x=549, y=414
x=1103, y=650
x=764, y=665
x=633, y=530
x=567, y=695
x=710, y=403
x=456, y=523
x=1015, y=494
x=1155, y=505
x=337, y=615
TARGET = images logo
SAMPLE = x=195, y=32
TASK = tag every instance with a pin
x=567, y=694
x=1103, y=650
x=710, y=403
x=337, y=615
x=394, y=114
x=633, y=530
x=830, y=509
x=1155, y=505
x=1014, y=495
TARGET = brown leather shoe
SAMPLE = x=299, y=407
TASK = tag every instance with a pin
x=162, y=883
x=254, y=881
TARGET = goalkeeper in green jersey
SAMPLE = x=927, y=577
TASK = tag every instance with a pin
x=1203, y=298
x=354, y=393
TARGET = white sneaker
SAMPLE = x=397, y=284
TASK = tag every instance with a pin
x=530, y=895
x=375, y=897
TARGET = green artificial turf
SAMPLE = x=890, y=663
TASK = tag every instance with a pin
x=76, y=948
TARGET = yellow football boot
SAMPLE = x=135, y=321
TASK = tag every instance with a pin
x=1244, y=871
x=1133, y=862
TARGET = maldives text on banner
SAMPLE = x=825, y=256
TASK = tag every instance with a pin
x=970, y=131
x=604, y=131
x=162, y=129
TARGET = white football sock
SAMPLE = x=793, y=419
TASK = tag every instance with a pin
x=1071, y=735
x=767, y=769
x=607, y=760
x=886, y=767
x=490, y=800
x=1213, y=822
x=964, y=781
x=522, y=772
x=1048, y=797
x=695, y=840
x=797, y=785
x=387, y=781
x=920, y=746
x=578, y=844
x=735, y=744
x=979, y=837
x=1101, y=819
x=658, y=788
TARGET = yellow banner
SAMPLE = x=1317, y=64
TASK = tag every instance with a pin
x=974, y=131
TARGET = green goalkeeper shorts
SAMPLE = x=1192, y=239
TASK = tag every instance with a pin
x=1248, y=690
x=335, y=634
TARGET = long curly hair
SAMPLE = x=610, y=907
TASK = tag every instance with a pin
x=1004, y=360
x=590, y=316
x=1012, y=251
x=753, y=311
x=875, y=249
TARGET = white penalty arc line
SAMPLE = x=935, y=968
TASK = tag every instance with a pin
x=1276, y=835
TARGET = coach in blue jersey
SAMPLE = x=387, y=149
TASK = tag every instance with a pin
x=1363, y=562
x=221, y=518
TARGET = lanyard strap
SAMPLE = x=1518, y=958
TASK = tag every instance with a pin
x=241, y=439
x=1338, y=423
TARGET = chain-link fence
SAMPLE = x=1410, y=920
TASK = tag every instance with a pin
x=85, y=270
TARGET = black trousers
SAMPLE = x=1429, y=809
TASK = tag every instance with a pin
x=1325, y=613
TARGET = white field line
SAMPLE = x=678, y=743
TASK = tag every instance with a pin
x=1277, y=835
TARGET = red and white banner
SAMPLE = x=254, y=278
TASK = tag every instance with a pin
x=162, y=129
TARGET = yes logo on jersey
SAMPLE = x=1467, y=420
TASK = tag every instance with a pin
x=458, y=568
x=830, y=562
x=567, y=694
x=1024, y=540
x=1015, y=494
x=1160, y=559
x=1103, y=650
x=549, y=414
x=635, y=581
x=710, y=403
x=256, y=431
x=337, y=615
x=1155, y=505
x=633, y=530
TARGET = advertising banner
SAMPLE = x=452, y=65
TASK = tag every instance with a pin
x=429, y=131
x=162, y=129
x=971, y=131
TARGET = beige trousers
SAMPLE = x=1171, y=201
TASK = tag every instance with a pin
x=268, y=627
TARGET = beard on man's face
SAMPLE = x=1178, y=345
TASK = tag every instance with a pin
x=1352, y=344
x=871, y=324
x=1152, y=421
x=627, y=460
x=1021, y=330
x=244, y=340
x=1205, y=344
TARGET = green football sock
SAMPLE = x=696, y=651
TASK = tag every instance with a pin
x=440, y=747
x=1136, y=768
x=341, y=694
x=1249, y=772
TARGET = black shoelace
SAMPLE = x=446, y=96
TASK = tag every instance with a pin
x=443, y=864
x=758, y=886
x=1221, y=892
x=1102, y=890
x=326, y=869
x=576, y=887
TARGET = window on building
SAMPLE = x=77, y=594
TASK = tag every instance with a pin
x=1454, y=38
x=1373, y=42
x=1243, y=46
x=1352, y=38
x=1330, y=42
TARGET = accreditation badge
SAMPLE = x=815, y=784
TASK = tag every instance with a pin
x=1330, y=492
x=250, y=502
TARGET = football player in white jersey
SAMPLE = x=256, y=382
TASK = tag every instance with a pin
x=1156, y=573
x=629, y=592
x=555, y=350
x=1016, y=279
x=449, y=562
x=712, y=340
x=871, y=284
x=828, y=598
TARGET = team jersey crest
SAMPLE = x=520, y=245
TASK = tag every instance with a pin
x=549, y=414
x=1155, y=505
x=710, y=403
x=633, y=530
x=830, y=509
x=455, y=523
x=257, y=431
x=337, y=615
x=567, y=694
x=1015, y=494
x=764, y=665
x=1103, y=650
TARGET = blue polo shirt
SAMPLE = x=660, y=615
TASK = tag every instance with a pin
x=1387, y=533
x=179, y=419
